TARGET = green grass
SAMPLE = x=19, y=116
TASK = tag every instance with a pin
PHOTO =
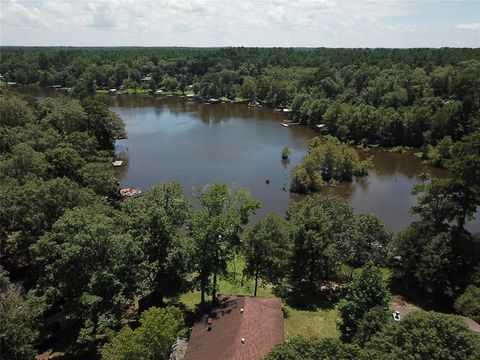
x=133, y=91
x=319, y=322
x=143, y=91
x=176, y=92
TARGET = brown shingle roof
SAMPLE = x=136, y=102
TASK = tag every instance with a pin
x=260, y=324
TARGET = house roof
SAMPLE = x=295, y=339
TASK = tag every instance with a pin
x=237, y=335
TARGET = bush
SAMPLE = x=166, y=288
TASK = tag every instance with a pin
x=468, y=304
x=303, y=348
x=366, y=291
x=425, y=335
x=152, y=340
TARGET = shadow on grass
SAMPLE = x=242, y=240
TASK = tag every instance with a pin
x=418, y=298
x=302, y=300
x=192, y=315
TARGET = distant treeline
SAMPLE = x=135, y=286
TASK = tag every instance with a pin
x=378, y=96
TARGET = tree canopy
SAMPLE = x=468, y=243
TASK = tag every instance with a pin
x=152, y=340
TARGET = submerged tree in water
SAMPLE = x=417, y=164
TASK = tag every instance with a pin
x=326, y=160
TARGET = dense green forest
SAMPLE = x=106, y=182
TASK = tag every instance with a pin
x=370, y=96
x=70, y=247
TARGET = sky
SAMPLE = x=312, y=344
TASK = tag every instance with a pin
x=257, y=23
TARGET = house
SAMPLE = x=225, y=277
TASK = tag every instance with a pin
x=239, y=328
x=146, y=79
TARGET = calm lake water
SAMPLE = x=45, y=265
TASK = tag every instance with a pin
x=172, y=139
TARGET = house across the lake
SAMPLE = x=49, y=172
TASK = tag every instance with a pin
x=239, y=328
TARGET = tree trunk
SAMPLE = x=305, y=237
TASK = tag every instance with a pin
x=312, y=272
x=256, y=283
x=234, y=267
x=214, y=290
x=202, y=296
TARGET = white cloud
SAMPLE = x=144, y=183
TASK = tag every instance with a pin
x=211, y=22
x=472, y=26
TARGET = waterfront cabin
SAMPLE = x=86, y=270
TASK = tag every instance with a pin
x=117, y=163
x=112, y=91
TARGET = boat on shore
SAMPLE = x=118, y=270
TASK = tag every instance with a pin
x=130, y=192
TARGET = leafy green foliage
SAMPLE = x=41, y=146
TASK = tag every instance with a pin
x=375, y=96
x=371, y=323
x=15, y=111
x=436, y=254
x=438, y=155
x=320, y=226
x=216, y=229
x=152, y=340
x=49, y=163
x=89, y=261
x=468, y=304
x=153, y=221
x=267, y=249
x=365, y=292
x=98, y=177
x=371, y=240
x=326, y=160
x=28, y=211
x=20, y=316
x=425, y=335
x=302, y=348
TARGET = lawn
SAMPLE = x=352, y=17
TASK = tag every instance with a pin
x=319, y=322
x=133, y=91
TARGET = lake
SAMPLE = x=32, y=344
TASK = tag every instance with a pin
x=173, y=139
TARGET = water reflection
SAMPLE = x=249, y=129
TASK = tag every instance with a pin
x=173, y=139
